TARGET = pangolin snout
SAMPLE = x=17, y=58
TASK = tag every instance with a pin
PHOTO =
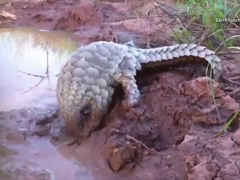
x=84, y=115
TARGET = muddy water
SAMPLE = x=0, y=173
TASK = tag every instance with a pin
x=28, y=50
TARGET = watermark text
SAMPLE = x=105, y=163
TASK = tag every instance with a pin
x=225, y=20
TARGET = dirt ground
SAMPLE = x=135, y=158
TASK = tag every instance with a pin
x=170, y=136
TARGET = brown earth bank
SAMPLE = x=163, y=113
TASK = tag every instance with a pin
x=169, y=136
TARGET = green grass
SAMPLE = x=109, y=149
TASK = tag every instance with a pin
x=227, y=124
x=205, y=12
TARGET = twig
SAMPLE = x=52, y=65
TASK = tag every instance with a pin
x=148, y=13
x=167, y=24
x=35, y=85
x=30, y=74
x=190, y=21
x=237, y=90
x=44, y=45
x=157, y=5
x=128, y=137
x=167, y=9
x=114, y=35
x=230, y=52
x=142, y=144
x=204, y=35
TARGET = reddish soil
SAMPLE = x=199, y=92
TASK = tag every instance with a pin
x=169, y=136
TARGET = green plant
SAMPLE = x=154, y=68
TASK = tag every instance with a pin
x=211, y=14
x=227, y=124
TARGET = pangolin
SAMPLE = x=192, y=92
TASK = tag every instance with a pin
x=86, y=82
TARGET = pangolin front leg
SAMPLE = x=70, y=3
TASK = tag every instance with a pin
x=131, y=91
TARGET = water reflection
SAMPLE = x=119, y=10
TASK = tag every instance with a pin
x=27, y=50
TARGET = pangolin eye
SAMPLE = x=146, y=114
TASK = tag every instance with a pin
x=85, y=111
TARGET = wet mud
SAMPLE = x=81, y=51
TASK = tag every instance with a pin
x=170, y=135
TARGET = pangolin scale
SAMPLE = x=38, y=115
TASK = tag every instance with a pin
x=86, y=81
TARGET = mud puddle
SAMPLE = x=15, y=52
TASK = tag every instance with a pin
x=27, y=50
